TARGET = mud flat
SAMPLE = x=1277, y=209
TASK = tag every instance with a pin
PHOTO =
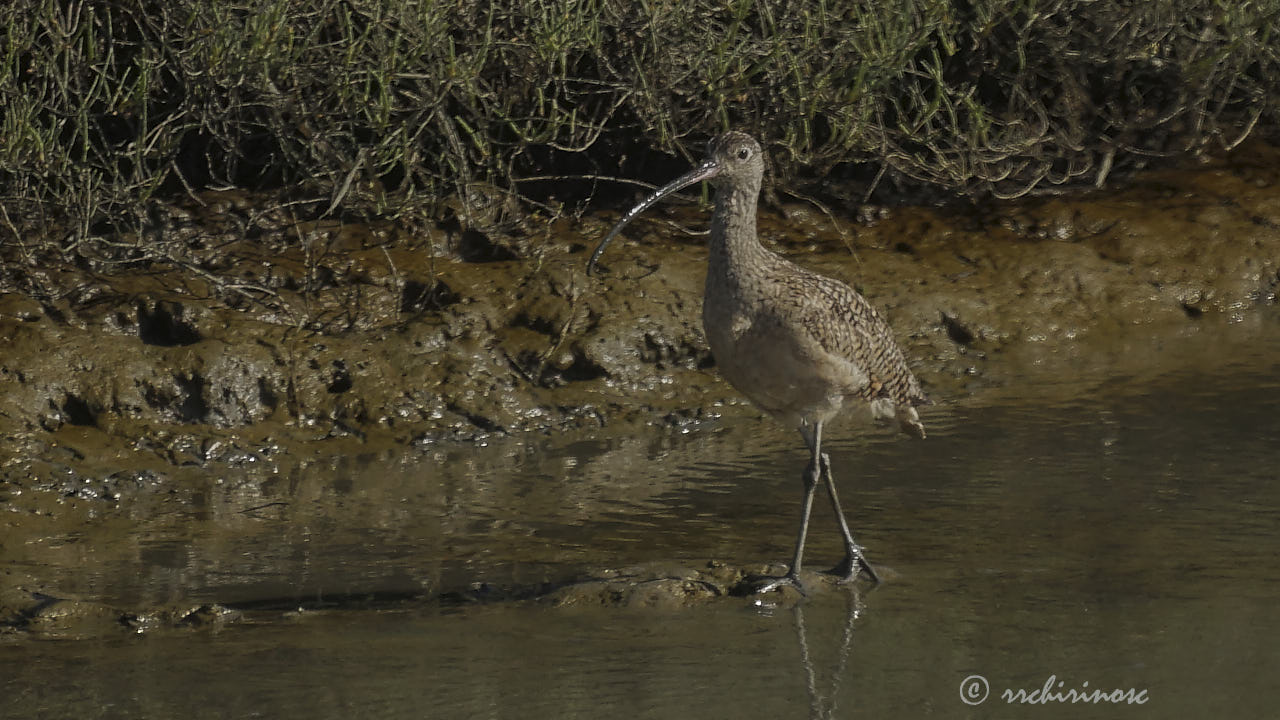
x=138, y=387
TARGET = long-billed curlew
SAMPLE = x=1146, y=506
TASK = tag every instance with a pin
x=798, y=344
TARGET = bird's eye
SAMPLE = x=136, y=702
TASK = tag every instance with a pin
x=744, y=153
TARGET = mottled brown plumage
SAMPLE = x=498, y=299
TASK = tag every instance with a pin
x=798, y=344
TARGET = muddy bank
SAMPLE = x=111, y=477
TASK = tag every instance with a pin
x=236, y=348
x=125, y=398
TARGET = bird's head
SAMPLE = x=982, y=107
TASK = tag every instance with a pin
x=733, y=159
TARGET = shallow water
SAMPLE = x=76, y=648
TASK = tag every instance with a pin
x=1120, y=533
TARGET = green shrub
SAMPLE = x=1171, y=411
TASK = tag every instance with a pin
x=386, y=107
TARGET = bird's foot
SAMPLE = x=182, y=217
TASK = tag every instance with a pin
x=852, y=565
x=760, y=585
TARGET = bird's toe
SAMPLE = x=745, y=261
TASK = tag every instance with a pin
x=852, y=567
x=766, y=584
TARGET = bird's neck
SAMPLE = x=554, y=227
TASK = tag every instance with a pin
x=734, y=244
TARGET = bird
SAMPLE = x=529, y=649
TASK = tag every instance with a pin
x=799, y=345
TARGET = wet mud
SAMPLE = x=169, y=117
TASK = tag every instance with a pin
x=122, y=398
x=659, y=586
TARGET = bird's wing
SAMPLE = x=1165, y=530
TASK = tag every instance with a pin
x=843, y=323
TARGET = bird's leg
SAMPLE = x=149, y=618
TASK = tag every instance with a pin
x=810, y=479
x=853, y=559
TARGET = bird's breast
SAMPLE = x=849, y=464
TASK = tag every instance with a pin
x=772, y=362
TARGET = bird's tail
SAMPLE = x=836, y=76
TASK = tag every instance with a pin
x=905, y=413
x=909, y=421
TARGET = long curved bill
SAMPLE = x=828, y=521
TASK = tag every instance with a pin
x=704, y=171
